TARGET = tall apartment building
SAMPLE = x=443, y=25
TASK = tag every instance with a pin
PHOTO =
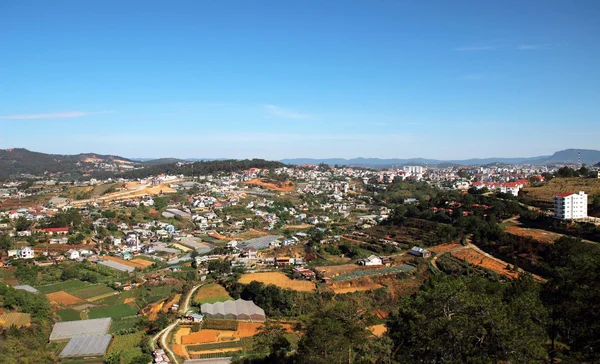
x=570, y=205
x=414, y=170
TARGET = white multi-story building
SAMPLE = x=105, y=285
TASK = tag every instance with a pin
x=413, y=170
x=26, y=253
x=570, y=205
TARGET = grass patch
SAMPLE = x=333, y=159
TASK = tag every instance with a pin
x=125, y=342
x=116, y=312
x=67, y=286
x=125, y=323
x=91, y=292
x=68, y=314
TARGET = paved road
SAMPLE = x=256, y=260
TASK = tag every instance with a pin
x=162, y=336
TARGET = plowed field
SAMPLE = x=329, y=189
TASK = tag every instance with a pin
x=63, y=298
x=476, y=258
x=200, y=337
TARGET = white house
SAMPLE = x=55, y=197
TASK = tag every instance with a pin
x=371, y=260
x=570, y=205
x=25, y=253
x=72, y=254
x=420, y=252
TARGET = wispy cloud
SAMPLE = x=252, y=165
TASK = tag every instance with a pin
x=276, y=111
x=531, y=47
x=475, y=48
x=55, y=115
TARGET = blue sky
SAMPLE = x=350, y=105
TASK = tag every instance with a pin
x=282, y=79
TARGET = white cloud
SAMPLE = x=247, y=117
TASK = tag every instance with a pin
x=475, y=48
x=55, y=115
x=530, y=47
x=276, y=111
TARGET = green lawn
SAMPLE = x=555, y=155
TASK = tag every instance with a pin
x=68, y=314
x=67, y=286
x=117, y=311
x=125, y=323
x=93, y=291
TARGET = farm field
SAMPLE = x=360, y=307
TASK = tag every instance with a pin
x=184, y=249
x=474, y=257
x=128, y=345
x=378, y=330
x=278, y=279
x=93, y=292
x=135, y=263
x=68, y=314
x=15, y=318
x=63, y=298
x=244, y=330
x=335, y=270
x=342, y=289
x=124, y=323
x=211, y=293
x=443, y=248
x=561, y=185
x=125, y=342
x=116, y=312
x=67, y=286
x=537, y=234
x=374, y=272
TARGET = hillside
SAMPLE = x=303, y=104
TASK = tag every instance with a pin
x=23, y=161
x=201, y=168
x=547, y=191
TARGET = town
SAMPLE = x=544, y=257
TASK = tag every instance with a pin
x=175, y=268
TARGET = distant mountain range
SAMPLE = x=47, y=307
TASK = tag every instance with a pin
x=22, y=161
x=567, y=156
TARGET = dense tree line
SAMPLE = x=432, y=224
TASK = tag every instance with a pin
x=201, y=168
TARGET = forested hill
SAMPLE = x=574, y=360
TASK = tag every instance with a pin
x=23, y=161
x=201, y=168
